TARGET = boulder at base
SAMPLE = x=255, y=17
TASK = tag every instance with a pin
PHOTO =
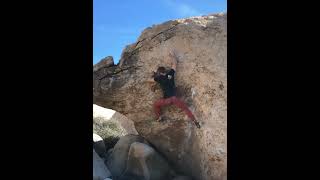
x=145, y=162
x=117, y=160
x=100, y=171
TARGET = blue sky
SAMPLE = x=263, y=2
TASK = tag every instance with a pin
x=117, y=23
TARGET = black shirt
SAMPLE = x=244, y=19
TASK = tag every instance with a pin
x=167, y=84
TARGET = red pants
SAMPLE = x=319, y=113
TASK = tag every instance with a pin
x=172, y=100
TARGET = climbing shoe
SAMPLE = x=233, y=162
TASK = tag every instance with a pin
x=160, y=118
x=197, y=124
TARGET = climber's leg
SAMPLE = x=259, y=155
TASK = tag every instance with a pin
x=157, y=106
x=184, y=107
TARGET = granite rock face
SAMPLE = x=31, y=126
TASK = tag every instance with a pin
x=201, y=79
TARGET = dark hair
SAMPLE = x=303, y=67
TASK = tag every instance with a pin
x=161, y=69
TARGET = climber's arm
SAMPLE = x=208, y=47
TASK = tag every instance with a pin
x=152, y=78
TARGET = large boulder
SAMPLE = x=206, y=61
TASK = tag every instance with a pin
x=144, y=162
x=117, y=160
x=100, y=171
x=201, y=80
x=111, y=125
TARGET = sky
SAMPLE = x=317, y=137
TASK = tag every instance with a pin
x=117, y=23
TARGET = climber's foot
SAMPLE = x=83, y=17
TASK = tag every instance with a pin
x=197, y=124
x=160, y=118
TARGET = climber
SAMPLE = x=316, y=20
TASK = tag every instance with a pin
x=166, y=81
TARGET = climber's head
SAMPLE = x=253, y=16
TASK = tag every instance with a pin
x=161, y=70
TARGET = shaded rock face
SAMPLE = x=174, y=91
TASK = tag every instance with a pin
x=100, y=171
x=99, y=146
x=117, y=161
x=144, y=162
x=201, y=80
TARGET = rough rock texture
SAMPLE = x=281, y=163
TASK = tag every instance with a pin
x=144, y=162
x=201, y=80
x=104, y=63
x=111, y=125
x=100, y=171
x=117, y=160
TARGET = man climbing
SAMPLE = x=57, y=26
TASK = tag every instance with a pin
x=166, y=81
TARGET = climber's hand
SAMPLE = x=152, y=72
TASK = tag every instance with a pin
x=153, y=74
x=153, y=88
x=150, y=80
